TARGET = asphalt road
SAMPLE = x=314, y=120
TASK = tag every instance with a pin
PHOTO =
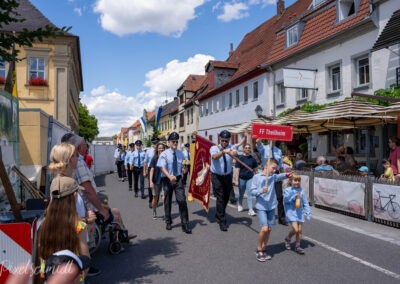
x=339, y=249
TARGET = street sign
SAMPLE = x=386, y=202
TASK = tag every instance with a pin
x=271, y=132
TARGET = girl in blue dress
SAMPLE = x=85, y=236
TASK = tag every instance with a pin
x=296, y=206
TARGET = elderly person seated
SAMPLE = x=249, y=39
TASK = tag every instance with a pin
x=299, y=163
x=323, y=166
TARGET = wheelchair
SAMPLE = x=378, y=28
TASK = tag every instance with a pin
x=101, y=228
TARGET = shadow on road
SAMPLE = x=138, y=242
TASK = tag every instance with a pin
x=137, y=262
x=273, y=249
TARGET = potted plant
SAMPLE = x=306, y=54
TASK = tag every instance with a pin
x=37, y=81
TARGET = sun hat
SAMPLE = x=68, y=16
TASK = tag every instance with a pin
x=62, y=186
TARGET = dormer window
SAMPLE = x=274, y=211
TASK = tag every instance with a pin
x=346, y=8
x=293, y=35
x=317, y=3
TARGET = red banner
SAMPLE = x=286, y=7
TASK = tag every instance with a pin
x=200, y=177
x=271, y=132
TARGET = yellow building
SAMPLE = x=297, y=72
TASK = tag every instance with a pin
x=168, y=122
x=49, y=81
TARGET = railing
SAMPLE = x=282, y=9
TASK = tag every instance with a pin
x=366, y=198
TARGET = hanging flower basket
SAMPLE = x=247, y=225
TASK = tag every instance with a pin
x=37, y=82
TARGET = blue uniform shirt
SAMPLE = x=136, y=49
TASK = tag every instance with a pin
x=149, y=155
x=265, y=200
x=294, y=214
x=264, y=152
x=134, y=158
x=128, y=155
x=217, y=166
x=166, y=159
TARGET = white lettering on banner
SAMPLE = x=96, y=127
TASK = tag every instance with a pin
x=385, y=201
x=342, y=195
x=261, y=131
x=275, y=132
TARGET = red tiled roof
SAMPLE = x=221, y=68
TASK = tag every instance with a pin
x=135, y=124
x=193, y=82
x=222, y=64
x=151, y=114
x=316, y=29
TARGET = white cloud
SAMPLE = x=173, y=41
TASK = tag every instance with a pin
x=115, y=110
x=78, y=11
x=100, y=90
x=233, y=11
x=263, y=3
x=166, y=17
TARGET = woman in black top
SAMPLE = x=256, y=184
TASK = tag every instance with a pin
x=155, y=178
x=244, y=178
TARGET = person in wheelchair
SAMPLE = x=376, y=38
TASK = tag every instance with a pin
x=84, y=177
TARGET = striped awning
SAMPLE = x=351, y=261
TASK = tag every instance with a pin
x=347, y=114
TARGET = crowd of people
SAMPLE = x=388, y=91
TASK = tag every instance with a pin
x=74, y=202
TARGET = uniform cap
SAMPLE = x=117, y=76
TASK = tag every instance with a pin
x=225, y=134
x=173, y=136
x=155, y=140
x=131, y=145
x=138, y=142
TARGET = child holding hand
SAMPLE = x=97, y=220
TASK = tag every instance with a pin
x=296, y=206
x=266, y=203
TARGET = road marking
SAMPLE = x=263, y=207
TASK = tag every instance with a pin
x=352, y=257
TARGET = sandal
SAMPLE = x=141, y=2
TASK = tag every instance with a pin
x=287, y=243
x=266, y=256
x=299, y=250
x=260, y=255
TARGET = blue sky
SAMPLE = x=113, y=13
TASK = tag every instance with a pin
x=136, y=53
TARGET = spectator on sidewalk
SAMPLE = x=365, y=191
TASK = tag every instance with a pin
x=394, y=156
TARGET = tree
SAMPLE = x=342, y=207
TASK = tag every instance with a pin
x=88, y=128
x=8, y=16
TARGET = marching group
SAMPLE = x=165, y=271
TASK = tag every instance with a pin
x=166, y=168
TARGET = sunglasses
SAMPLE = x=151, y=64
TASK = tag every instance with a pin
x=174, y=141
x=224, y=141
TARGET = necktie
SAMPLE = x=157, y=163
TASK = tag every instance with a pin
x=225, y=163
x=175, y=165
x=139, y=159
x=189, y=155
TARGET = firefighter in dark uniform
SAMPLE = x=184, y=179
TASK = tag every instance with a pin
x=170, y=162
x=128, y=167
x=138, y=160
x=221, y=175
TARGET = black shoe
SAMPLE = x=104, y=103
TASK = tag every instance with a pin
x=136, y=195
x=223, y=227
x=185, y=229
x=168, y=227
x=130, y=188
x=283, y=222
x=93, y=271
x=233, y=201
x=143, y=197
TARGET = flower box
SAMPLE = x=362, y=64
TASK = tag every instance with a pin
x=37, y=82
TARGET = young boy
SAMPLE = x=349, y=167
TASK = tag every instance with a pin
x=266, y=203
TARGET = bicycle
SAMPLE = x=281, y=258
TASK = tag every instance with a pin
x=392, y=207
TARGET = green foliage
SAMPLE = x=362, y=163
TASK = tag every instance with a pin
x=311, y=107
x=114, y=136
x=156, y=133
x=285, y=112
x=8, y=15
x=88, y=128
x=388, y=93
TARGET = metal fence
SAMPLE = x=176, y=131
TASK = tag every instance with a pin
x=367, y=198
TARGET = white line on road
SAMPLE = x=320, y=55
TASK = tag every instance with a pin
x=352, y=257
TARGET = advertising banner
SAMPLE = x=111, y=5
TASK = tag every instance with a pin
x=299, y=78
x=386, y=202
x=342, y=195
x=271, y=132
x=200, y=177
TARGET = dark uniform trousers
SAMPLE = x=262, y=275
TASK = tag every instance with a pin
x=138, y=175
x=279, y=197
x=222, y=187
x=180, y=199
x=129, y=172
x=120, y=168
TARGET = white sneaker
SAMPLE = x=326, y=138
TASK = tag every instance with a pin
x=240, y=208
x=252, y=213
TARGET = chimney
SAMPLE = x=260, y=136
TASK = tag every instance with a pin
x=280, y=7
x=230, y=49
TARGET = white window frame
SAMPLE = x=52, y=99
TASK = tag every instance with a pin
x=333, y=78
x=303, y=94
x=245, y=94
x=292, y=35
x=191, y=116
x=237, y=98
x=223, y=104
x=187, y=117
x=230, y=100
x=366, y=71
x=280, y=94
x=210, y=107
x=255, y=90
x=317, y=2
x=343, y=8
